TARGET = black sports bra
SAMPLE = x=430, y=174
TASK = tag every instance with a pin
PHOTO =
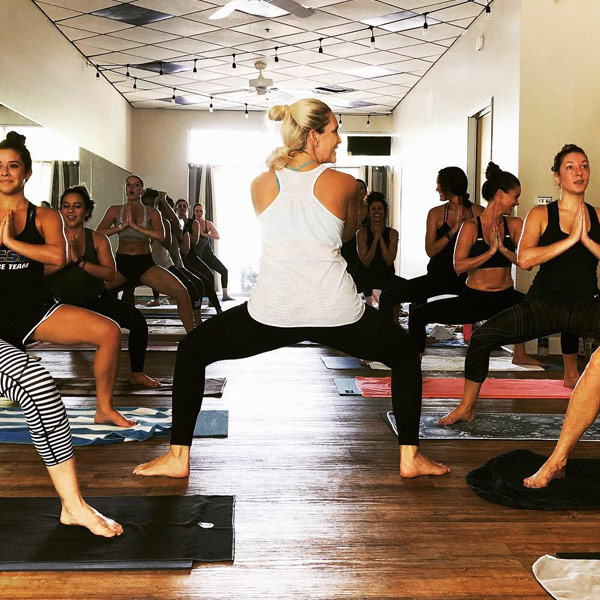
x=498, y=261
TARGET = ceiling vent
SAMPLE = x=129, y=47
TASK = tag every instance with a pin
x=333, y=89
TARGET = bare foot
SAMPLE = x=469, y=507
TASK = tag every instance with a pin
x=526, y=359
x=90, y=518
x=113, y=417
x=144, y=380
x=459, y=414
x=419, y=465
x=364, y=362
x=167, y=465
x=548, y=472
x=226, y=298
x=153, y=302
x=570, y=381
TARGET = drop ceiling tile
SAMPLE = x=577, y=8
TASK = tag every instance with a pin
x=408, y=66
x=465, y=10
x=154, y=53
x=267, y=29
x=90, y=51
x=173, y=7
x=122, y=58
x=56, y=13
x=83, y=5
x=206, y=75
x=336, y=78
x=116, y=77
x=391, y=90
x=302, y=71
x=226, y=69
x=341, y=30
x=107, y=42
x=187, y=45
x=390, y=41
x=74, y=34
x=372, y=71
x=226, y=38
x=144, y=35
x=432, y=51
x=357, y=83
x=359, y=10
x=298, y=38
x=435, y=32
x=265, y=45
x=320, y=3
x=206, y=87
x=306, y=57
x=381, y=57
x=235, y=18
x=406, y=79
x=315, y=22
x=343, y=65
x=181, y=26
x=95, y=24
x=345, y=49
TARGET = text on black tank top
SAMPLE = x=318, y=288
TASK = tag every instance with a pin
x=570, y=278
x=22, y=281
x=480, y=247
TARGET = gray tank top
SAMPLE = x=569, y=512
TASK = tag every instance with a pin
x=131, y=234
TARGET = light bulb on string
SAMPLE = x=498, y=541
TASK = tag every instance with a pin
x=340, y=122
x=372, y=43
x=488, y=11
x=97, y=72
x=173, y=96
x=211, y=108
x=127, y=72
x=195, y=69
x=320, y=46
x=161, y=73
x=368, y=121
x=276, y=59
x=246, y=111
x=425, y=24
x=233, y=65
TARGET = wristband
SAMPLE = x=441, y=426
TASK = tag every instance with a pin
x=449, y=235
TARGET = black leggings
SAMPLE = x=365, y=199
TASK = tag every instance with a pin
x=235, y=334
x=530, y=319
x=469, y=306
x=194, y=286
x=216, y=265
x=128, y=317
x=418, y=290
x=198, y=268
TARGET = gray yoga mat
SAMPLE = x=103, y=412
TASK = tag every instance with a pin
x=495, y=426
x=346, y=386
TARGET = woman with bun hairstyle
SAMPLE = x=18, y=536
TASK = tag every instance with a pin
x=443, y=225
x=191, y=260
x=377, y=246
x=486, y=250
x=203, y=232
x=31, y=237
x=81, y=282
x=305, y=210
x=136, y=225
x=563, y=238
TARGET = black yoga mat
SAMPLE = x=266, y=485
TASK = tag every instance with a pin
x=159, y=532
x=500, y=481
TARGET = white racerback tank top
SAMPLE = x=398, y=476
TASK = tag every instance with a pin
x=302, y=280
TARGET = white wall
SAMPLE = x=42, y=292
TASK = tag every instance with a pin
x=430, y=125
x=160, y=149
x=45, y=78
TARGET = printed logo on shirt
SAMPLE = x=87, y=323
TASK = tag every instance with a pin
x=10, y=260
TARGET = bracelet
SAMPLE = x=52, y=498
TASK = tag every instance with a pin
x=449, y=235
x=82, y=264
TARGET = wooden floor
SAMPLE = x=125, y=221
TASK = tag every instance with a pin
x=321, y=512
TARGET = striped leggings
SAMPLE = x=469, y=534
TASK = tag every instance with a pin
x=29, y=384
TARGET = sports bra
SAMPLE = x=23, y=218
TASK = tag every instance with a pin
x=498, y=260
x=130, y=234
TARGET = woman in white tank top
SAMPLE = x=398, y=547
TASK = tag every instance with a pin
x=305, y=210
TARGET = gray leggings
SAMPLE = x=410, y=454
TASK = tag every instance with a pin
x=528, y=320
x=29, y=384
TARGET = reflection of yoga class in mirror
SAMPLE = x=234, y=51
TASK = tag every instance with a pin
x=327, y=285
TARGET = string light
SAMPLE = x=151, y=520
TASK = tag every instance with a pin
x=425, y=24
x=246, y=111
x=97, y=72
x=233, y=65
x=369, y=120
x=211, y=108
x=340, y=122
x=320, y=46
x=161, y=72
x=372, y=44
x=173, y=96
x=488, y=11
x=195, y=69
x=127, y=72
x=276, y=59
x=135, y=83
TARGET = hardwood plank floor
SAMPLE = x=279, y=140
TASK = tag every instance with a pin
x=321, y=511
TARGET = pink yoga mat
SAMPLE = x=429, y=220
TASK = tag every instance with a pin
x=442, y=387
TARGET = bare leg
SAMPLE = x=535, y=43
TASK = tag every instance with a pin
x=75, y=511
x=571, y=374
x=198, y=316
x=414, y=464
x=175, y=463
x=520, y=357
x=465, y=411
x=160, y=279
x=581, y=413
x=74, y=325
x=226, y=296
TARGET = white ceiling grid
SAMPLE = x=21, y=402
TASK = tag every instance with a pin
x=375, y=80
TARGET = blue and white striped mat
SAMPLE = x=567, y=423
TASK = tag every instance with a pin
x=149, y=422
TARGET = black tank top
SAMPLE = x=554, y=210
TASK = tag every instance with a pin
x=22, y=283
x=378, y=265
x=568, y=279
x=481, y=247
x=72, y=284
x=442, y=264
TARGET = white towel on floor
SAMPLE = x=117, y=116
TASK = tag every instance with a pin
x=568, y=579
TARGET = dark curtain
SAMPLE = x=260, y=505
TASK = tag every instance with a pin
x=64, y=175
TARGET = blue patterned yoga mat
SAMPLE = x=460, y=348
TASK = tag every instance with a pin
x=149, y=422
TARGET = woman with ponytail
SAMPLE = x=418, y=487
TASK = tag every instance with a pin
x=306, y=210
x=489, y=287
x=443, y=225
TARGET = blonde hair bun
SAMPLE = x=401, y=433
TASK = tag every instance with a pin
x=278, y=112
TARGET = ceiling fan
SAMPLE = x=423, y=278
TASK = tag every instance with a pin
x=261, y=84
x=263, y=8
